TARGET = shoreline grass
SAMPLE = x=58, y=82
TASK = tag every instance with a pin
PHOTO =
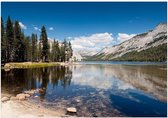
x=29, y=65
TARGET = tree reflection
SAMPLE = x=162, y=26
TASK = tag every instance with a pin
x=45, y=80
x=27, y=79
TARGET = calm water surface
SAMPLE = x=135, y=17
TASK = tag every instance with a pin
x=95, y=89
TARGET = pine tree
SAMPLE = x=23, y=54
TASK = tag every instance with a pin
x=9, y=40
x=65, y=50
x=17, y=47
x=45, y=46
x=55, y=51
x=28, y=49
x=39, y=53
x=18, y=43
x=57, y=55
x=34, y=46
x=50, y=55
x=3, y=43
x=62, y=53
x=53, y=56
x=70, y=51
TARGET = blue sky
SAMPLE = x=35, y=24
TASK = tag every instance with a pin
x=86, y=19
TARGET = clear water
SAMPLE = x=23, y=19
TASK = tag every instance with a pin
x=101, y=89
x=122, y=63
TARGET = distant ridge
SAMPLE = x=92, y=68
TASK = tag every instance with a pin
x=147, y=41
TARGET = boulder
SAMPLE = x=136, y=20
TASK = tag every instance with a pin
x=41, y=90
x=27, y=92
x=77, y=100
x=21, y=96
x=7, y=66
x=31, y=92
x=27, y=95
x=71, y=110
x=5, y=95
x=4, y=99
x=13, y=98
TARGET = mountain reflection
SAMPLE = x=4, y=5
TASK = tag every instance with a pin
x=151, y=79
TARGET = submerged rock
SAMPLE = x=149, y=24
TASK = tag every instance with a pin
x=36, y=96
x=41, y=90
x=77, y=100
x=71, y=110
x=4, y=99
x=30, y=92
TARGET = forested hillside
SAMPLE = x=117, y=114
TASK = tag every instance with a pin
x=148, y=46
x=17, y=47
x=158, y=53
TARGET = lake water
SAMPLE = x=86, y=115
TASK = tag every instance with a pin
x=95, y=88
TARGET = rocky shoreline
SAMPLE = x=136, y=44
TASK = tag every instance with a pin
x=18, y=107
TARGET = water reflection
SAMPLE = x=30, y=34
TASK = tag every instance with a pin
x=140, y=108
x=151, y=79
x=96, y=90
x=25, y=79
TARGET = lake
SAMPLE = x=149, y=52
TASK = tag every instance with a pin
x=95, y=88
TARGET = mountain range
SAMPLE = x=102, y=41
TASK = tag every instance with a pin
x=148, y=46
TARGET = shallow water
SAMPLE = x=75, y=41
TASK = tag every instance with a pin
x=95, y=89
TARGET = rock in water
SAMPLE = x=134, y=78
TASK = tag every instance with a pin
x=71, y=110
x=77, y=100
x=41, y=90
x=5, y=99
x=36, y=96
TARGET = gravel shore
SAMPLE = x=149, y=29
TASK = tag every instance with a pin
x=24, y=109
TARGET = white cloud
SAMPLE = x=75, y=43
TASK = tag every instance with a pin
x=36, y=28
x=94, y=42
x=69, y=38
x=123, y=37
x=52, y=39
x=22, y=25
x=51, y=28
